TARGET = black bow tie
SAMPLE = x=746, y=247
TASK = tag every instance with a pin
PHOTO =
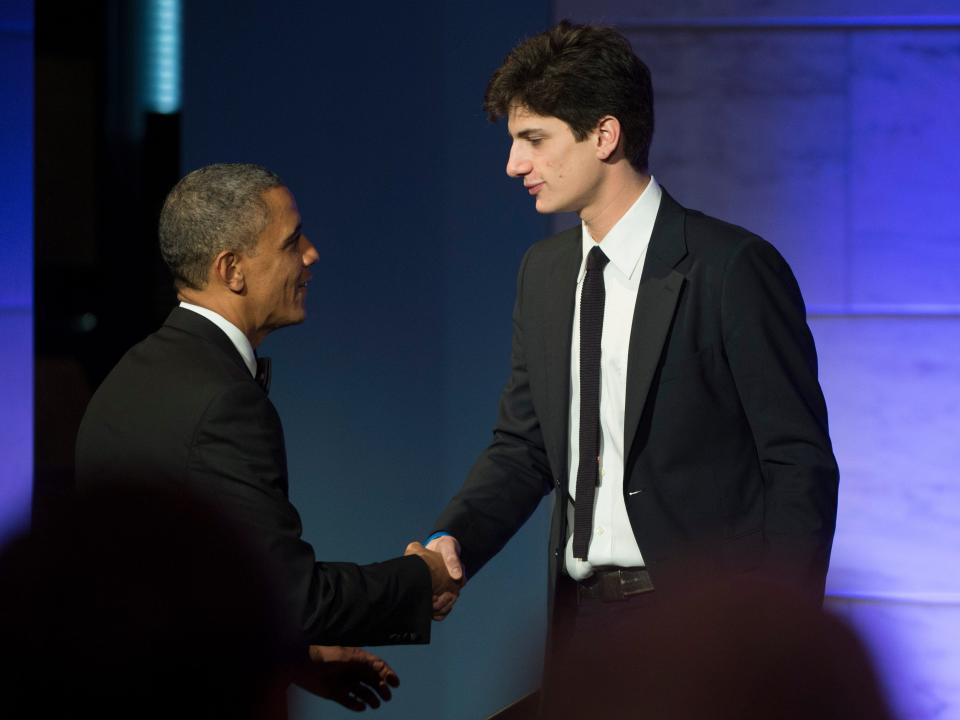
x=263, y=373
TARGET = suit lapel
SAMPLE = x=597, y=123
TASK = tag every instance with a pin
x=657, y=298
x=557, y=335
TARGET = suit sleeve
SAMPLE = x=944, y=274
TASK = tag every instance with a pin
x=238, y=458
x=511, y=476
x=774, y=364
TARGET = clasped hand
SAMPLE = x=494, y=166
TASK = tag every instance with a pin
x=442, y=556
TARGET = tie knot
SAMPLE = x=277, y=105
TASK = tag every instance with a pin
x=596, y=260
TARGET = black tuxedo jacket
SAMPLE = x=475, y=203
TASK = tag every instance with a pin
x=181, y=408
x=727, y=457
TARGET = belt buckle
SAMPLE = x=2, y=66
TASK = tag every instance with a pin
x=615, y=585
x=611, y=586
x=636, y=583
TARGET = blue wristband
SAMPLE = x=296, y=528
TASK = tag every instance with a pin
x=440, y=533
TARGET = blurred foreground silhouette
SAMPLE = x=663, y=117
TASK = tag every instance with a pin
x=139, y=603
x=710, y=650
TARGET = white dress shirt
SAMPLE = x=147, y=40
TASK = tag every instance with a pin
x=240, y=341
x=612, y=541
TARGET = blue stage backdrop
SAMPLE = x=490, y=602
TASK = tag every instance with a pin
x=16, y=261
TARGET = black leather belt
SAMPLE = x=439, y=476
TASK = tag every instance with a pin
x=612, y=584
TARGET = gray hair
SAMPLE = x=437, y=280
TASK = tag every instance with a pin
x=215, y=208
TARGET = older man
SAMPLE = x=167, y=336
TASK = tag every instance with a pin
x=188, y=406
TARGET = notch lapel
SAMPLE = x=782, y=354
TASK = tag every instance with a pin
x=657, y=297
x=557, y=334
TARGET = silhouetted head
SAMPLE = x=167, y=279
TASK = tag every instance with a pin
x=140, y=603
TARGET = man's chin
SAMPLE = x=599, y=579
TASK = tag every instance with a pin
x=292, y=319
x=547, y=208
x=543, y=207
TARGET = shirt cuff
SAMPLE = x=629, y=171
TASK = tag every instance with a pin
x=440, y=533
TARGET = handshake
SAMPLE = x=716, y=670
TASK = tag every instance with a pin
x=442, y=556
x=358, y=679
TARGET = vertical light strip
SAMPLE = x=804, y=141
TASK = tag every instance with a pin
x=16, y=259
x=162, y=55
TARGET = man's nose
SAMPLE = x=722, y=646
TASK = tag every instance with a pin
x=309, y=252
x=517, y=165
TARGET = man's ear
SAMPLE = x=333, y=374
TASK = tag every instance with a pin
x=608, y=136
x=228, y=271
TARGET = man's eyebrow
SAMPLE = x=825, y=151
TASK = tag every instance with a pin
x=527, y=132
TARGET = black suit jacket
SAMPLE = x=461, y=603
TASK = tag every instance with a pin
x=181, y=408
x=727, y=457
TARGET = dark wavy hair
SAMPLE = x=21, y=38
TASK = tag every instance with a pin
x=578, y=73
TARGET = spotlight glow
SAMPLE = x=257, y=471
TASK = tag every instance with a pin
x=162, y=55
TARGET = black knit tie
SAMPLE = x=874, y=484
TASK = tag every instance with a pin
x=591, y=325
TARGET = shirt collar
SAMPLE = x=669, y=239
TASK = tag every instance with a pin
x=240, y=341
x=627, y=241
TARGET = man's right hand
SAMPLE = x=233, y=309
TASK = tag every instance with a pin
x=446, y=572
x=449, y=550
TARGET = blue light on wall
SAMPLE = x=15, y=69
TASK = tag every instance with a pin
x=16, y=260
x=162, y=56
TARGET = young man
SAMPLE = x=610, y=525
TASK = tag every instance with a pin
x=663, y=377
x=188, y=409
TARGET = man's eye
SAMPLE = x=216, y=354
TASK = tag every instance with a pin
x=535, y=141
